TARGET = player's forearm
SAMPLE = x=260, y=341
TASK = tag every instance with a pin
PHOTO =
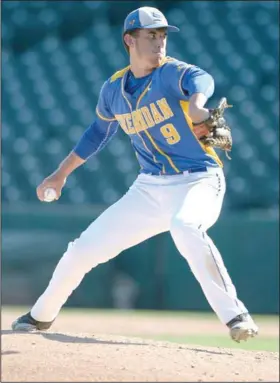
x=88, y=144
x=69, y=164
x=197, y=112
x=198, y=115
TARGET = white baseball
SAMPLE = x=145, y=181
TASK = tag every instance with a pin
x=49, y=195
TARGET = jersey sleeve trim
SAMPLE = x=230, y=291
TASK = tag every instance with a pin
x=181, y=79
x=104, y=118
x=104, y=140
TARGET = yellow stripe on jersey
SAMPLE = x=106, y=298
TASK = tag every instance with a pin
x=166, y=59
x=161, y=152
x=122, y=72
x=210, y=151
x=149, y=136
x=119, y=73
x=136, y=131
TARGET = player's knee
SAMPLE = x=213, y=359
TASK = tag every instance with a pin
x=183, y=226
x=80, y=252
x=90, y=253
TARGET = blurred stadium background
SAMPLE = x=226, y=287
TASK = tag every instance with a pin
x=55, y=57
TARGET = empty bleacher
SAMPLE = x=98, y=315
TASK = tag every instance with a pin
x=56, y=56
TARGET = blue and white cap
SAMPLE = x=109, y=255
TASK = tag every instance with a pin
x=147, y=17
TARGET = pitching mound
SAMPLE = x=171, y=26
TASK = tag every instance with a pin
x=60, y=355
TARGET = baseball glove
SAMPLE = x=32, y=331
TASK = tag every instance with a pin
x=219, y=132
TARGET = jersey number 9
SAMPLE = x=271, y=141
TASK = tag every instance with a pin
x=170, y=133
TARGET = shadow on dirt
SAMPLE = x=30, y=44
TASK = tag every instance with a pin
x=64, y=338
x=209, y=351
x=205, y=350
x=9, y=352
x=76, y=339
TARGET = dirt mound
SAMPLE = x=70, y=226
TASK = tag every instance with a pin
x=84, y=357
x=76, y=349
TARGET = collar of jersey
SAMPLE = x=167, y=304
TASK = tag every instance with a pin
x=121, y=73
x=126, y=74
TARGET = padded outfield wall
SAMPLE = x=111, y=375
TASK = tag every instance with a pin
x=151, y=275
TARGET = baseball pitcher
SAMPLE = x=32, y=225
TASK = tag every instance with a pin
x=159, y=102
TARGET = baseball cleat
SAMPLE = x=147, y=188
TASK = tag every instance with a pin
x=28, y=324
x=242, y=327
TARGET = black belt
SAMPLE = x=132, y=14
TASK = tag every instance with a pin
x=195, y=170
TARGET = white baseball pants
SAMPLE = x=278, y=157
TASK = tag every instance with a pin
x=186, y=205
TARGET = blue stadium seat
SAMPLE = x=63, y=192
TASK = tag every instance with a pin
x=51, y=83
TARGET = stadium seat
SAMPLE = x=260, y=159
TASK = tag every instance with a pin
x=51, y=82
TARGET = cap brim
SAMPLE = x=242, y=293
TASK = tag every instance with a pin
x=170, y=28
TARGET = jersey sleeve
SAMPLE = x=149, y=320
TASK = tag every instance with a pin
x=183, y=80
x=103, y=110
x=95, y=138
x=103, y=128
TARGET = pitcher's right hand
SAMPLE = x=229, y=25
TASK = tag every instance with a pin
x=56, y=181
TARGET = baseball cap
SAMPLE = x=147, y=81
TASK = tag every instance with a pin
x=147, y=17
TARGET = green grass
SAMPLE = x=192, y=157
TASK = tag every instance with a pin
x=256, y=344
x=198, y=315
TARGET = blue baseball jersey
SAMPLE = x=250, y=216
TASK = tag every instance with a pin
x=153, y=111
